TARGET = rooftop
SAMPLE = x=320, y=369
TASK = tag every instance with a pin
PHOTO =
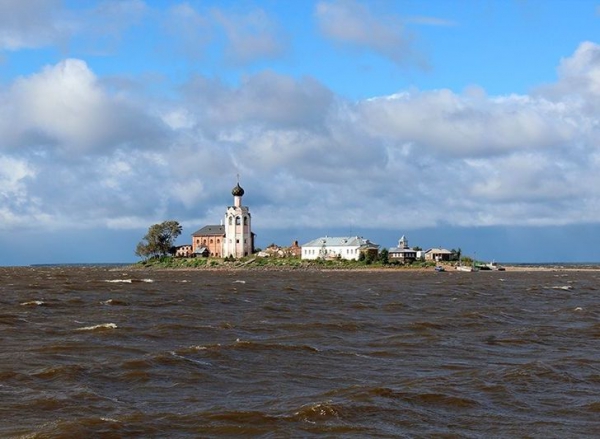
x=210, y=230
x=343, y=241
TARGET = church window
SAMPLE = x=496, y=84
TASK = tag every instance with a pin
x=211, y=241
x=237, y=220
x=230, y=220
x=237, y=241
x=245, y=220
x=218, y=241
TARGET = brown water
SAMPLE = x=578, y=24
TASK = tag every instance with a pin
x=95, y=352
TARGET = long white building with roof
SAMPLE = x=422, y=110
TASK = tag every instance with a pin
x=329, y=247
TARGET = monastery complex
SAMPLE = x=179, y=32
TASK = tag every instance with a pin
x=234, y=238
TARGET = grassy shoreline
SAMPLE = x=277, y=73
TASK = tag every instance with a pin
x=255, y=263
x=296, y=264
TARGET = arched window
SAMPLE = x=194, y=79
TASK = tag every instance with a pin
x=211, y=241
x=204, y=242
x=237, y=220
x=218, y=241
x=245, y=220
x=230, y=220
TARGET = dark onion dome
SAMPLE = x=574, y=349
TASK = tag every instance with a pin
x=237, y=191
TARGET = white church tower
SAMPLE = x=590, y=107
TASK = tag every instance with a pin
x=239, y=239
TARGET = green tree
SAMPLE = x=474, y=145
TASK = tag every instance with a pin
x=384, y=256
x=456, y=254
x=368, y=257
x=159, y=239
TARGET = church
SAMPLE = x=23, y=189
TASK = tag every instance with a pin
x=233, y=237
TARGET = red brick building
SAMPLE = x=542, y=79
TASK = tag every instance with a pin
x=210, y=238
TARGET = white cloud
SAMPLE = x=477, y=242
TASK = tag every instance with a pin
x=246, y=37
x=191, y=29
x=76, y=155
x=444, y=122
x=65, y=107
x=18, y=206
x=265, y=99
x=351, y=22
x=62, y=102
x=116, y=15
x=253, y=36
x=102, y=26
x=12, y=173
x=32, y=24
x=578, y=79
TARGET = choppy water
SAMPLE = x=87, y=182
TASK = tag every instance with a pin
x=93, y=352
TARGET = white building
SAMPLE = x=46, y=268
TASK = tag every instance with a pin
x=403, y=253
x=341, y=247
x=438, y=254
x=239, y=239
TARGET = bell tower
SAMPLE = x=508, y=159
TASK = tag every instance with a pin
x=239, y=239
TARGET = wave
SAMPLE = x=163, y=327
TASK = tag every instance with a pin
x=252, y=345
x=114, y=302
x=427, y=398
x=424, y=325
x=128, y=281
x=318, y=411
x=247, y=345
x=100, y=327
x=561, y=287
x=34, y=303
x=66, y=372
x=191, y=360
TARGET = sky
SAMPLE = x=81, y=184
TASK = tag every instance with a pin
x=459, y=124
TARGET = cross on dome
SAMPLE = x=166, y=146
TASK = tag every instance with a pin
x=237, y=191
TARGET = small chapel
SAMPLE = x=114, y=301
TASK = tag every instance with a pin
x=233, y=237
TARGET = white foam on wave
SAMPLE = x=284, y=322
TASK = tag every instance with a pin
x=239, y=281
x=101, y=326
x=33, y=303
x=128, y=281
x=205, y=348
x=191, y=360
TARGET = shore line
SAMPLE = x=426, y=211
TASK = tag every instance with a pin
x=313, y=268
